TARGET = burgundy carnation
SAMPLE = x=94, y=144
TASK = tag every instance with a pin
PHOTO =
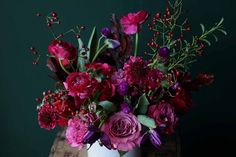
x=63, y=50
x=164, y=116
x=80, y=84
x=47, y=117
x=136, y=71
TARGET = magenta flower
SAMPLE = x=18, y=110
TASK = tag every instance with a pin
x=131, y=22
x=63, y=50
x=123, y=130
x=76, y=131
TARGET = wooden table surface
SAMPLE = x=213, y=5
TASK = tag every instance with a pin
x=171, y=148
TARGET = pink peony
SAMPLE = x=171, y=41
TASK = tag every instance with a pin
x=123, y=129
x=164, y=116
x=47, y=117
x=63, y=50
x=76, y=131
x=80, y=84
x=131, y=22
x=136, y=71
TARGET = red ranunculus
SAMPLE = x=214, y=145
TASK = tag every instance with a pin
x=80, y=84
x=63, y=50
x=107, y=90
x=131, y=22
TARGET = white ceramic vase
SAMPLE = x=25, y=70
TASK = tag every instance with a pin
x=96, y=150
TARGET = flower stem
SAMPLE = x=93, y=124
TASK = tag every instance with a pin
x=136, y=45
x=62, y=66
x=99, y=51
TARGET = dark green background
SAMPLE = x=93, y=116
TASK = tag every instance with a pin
x=210, y=125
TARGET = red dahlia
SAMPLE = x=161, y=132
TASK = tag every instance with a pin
x=136, y=71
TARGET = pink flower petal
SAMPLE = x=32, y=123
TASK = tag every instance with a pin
x=130, y=29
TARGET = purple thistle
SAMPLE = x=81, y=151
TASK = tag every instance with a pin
x=164, y=52
x=123, y=88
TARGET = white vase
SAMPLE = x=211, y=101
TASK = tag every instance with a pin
x=96, y=150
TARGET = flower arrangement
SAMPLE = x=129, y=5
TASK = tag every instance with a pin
x=108, y=91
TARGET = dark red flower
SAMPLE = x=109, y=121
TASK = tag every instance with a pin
x=80, y=84
x=164, y=116
x=63, y=50
x=107, y=90
x=182, y=102
x=47, y=117
x=154, y=79
x=136, y=71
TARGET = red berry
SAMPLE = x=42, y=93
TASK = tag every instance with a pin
x=158, y=15
x=37, y=99
x=35, y=63
x=38, y=14
x=78, y=36
x=32, y=48
x=54, y=14
x=49, y=24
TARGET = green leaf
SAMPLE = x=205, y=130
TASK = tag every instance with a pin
x=108, y=106
x=203, y=28
x=81, y=61
x=142, y=104
x=92, y=44
x=147, y=121
x=206, y=41
x=216, y=38
x=165, y=83
x=222, y=31
x=161, y=67
x=122, y=153
x=221, y=21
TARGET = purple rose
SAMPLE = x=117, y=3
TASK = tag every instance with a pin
x=123, y=130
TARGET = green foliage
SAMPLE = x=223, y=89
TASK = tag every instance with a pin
x=108, y=106
x=142, y=104
x=92, y=44
x=146, y=121
x=122, y=153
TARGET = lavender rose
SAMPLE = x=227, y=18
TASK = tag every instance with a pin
x=123, y=130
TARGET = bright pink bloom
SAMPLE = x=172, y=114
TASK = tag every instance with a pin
x=136, y=71
x=63, y=50
x=131, y=22
x=47, y=117
x=80, y=84
x=123, y=129
x=76, y=131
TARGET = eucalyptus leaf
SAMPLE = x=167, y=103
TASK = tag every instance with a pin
x=147, y=121
x=108, y=106
x=142, y=104
x=92, y=44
